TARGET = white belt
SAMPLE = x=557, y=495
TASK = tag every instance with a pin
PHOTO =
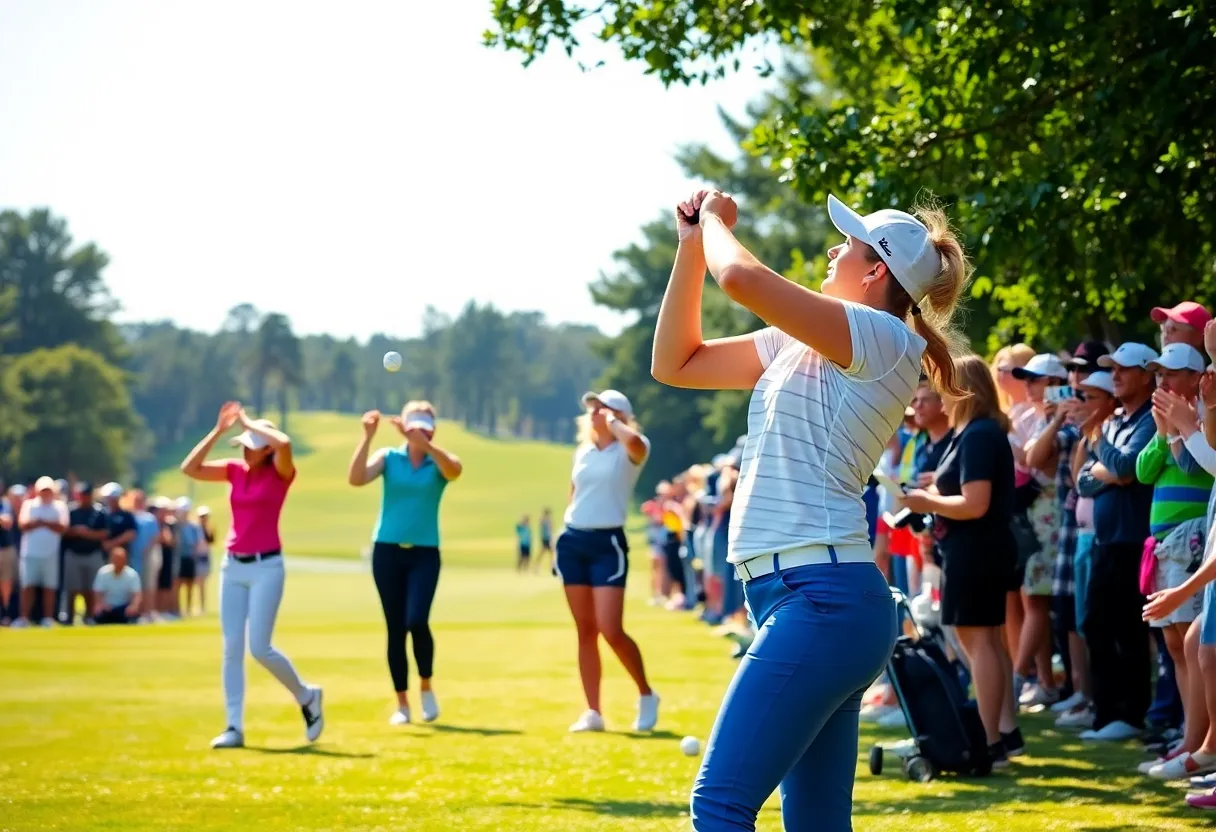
x=762, y=565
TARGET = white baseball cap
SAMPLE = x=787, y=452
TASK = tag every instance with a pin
x=900, y=239
x=1178, y=357
x=45, y=484
x=612, y=399
x=1044, y=365
x=1100, y=380
x=1129, y=355
x=183, y=504
x=110, y=489
x=253, y=441
x=203, y=511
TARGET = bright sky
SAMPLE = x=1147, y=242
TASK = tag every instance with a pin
x=346, y=164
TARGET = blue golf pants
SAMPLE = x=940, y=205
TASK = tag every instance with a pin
x=789, y=718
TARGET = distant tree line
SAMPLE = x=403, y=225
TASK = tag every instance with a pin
x=81, y=393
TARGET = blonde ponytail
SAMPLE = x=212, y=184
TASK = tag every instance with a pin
x=933, y=318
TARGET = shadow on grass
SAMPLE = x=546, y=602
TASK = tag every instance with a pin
x=468, y=729
x=649, y=735
x=614, y=808
x=309, y=750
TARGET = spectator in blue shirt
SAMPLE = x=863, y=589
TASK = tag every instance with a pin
x=1114, y=631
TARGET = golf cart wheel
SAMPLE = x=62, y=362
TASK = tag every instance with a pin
x=876, y=760
x=920, y=770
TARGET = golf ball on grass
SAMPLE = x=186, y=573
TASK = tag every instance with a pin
x=392, y=361
x=691, y=746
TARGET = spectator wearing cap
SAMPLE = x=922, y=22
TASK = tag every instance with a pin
x=145, y=554
x=43, y=520
x=1036, y=497
x=1173, y=551
x=120, y=523
x=11, y=610
x=1059, y=441
x=204, y=557
x=1114, y=632
x=82, y=542
x=116, y=591
x=167, y=581
x=187, y=538
x=8, y=555
x=1096, y=396
x=1183, y=324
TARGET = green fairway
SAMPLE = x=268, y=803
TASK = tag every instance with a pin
x=108, y=728
x=326, y=517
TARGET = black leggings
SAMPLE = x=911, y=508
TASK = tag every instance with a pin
x=406, y=578
x=673, y=561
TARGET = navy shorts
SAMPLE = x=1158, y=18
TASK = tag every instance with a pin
x=592, y=557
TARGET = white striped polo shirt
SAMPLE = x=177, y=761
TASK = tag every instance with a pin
x=815, y=432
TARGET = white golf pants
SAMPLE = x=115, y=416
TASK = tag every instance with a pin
x=249, y=600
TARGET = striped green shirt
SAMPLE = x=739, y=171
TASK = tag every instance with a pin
x=1177, y=495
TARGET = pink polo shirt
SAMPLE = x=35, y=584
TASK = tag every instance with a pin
x=256, y=499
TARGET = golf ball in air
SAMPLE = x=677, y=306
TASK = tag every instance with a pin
x=691, y=746
x=392, y=361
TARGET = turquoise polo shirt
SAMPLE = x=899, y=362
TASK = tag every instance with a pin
x=409, y=502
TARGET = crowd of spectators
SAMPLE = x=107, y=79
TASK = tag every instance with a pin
x=70, y=552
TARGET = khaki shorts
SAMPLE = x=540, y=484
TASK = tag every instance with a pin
x=8, y=564
x=150, y=573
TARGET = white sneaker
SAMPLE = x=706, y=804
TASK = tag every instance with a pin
x=430, y=706
x=589, y=721
x=1205, y=782
x=1066, y=705
x=1116, y=731
x=648, y=712
x=401, y=716
x=1079, y=718
x=314, y=717
x=1148, y=765
x=20, y=624
x=231, y=738
x=1038, y=696
x=1183, y=766
x=46, y=623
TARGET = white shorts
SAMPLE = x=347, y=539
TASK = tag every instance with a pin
x=39, y=571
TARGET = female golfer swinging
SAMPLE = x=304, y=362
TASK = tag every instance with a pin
x=251, y=580
x=830, y=377
x=405, y=551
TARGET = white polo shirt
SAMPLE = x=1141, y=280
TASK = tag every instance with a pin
x=815, y=432
x=42, y=542
x=603, y=485
x=116, y=589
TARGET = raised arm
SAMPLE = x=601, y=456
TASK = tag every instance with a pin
x=814, y=319
x=681, y=357
x=284, y=464
x=195, y=465
x=637, y=446
x=362, y=470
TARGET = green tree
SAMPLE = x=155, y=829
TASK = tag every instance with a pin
x=277, y=363
x=60, y=296
x=79, y=414
x=1067, y=138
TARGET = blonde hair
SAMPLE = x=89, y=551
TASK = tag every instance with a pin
x=982, y=399
x=586, y=431
x=695, y=476
x=932, y=318
x=418, y=406
x=1018, y=355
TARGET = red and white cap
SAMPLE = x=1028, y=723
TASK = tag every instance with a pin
x=898, y=238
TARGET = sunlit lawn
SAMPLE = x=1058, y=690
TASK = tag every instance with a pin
x=107, y=729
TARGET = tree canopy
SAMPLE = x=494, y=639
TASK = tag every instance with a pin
x=1070, y=140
